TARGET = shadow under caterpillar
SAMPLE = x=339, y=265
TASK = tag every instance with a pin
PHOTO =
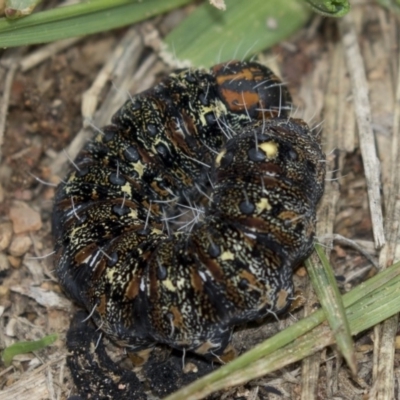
x=187, y=215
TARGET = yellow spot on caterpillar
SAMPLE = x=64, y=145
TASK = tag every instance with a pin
x=262, y=205
x=138, y=167
x=133, y=213
x=75, y=231
x=204, y=111
x=227, y=255
x=169, y=285
x=180, y=283
x=72, y=177
x=219, y=157
x=127, y=189
x=219, y=109
x=269, y=148
x=110, y=274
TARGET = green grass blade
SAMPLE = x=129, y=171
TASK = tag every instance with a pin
x=330, y=8
x=60, y=13
x=209, y=36
x=324, y=283
x=373, y=309
x=80, y=19
x=26, y=347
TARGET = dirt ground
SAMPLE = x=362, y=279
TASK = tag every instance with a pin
x=45, y=116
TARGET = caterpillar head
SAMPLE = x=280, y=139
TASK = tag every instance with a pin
x=252, y=89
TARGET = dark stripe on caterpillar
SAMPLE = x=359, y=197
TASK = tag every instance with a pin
x=216, y=144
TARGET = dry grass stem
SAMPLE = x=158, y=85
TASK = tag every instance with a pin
x=132, y=44
x=43, y=53
x=11, y=65
x=362, y=106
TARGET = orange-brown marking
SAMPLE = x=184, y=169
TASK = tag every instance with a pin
x=270, y=182
x=282, y=299
x=155, y=186
x=146, y=156
x=189, y=123
x=288, y=216
x=195, y=280
x=239, y=101
x=271, y=168
x=177, y=139
x=99, y=269
x=83, y=254
x=204, y=348
x=246, y=73
x=101, y=308
x=178, y=319
x=283, y=237
x=213, y=266
x=249, y=277
x=133, y=287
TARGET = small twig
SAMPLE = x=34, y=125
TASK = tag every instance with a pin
x=91, y=97
x=45, y=52
x=12, y=68
x=50, y=384
x=363, y=115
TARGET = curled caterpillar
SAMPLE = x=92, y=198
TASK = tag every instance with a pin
x=187, y=215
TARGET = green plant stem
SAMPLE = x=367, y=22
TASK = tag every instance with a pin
x=80, y=19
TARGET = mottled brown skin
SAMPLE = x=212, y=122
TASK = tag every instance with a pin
x=145, y=282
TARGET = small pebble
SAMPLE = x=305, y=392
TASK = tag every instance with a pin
x=24, y=218
x=302, y=272
x=190, y=367
x=15, y=261
x=20, y=245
